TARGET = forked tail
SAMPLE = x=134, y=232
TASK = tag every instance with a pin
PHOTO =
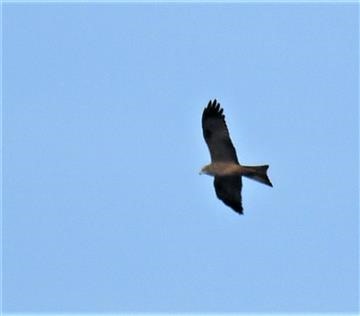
x=257, y=173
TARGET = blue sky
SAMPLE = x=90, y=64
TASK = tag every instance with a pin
x=103, y=207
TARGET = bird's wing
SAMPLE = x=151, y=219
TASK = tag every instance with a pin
x=228, y=189
x=216, y=134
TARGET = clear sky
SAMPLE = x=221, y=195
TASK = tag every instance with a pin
x=103, y=206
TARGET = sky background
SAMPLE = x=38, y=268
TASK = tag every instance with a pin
x=103, y=206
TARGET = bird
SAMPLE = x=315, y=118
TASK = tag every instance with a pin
x=224, y=166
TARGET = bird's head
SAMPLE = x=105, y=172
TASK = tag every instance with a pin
x=206, y=170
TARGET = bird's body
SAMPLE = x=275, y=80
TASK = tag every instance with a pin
x=222, y=169
x=225, y=167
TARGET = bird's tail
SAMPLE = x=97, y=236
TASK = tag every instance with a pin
x=257, y=173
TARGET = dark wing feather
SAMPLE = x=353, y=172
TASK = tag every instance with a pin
x=228, y=189
x=216, y=134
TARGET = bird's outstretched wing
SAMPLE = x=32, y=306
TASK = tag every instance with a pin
x=228, y=189
x=217, y=135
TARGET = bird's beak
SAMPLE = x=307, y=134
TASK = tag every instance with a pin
x=200, y=172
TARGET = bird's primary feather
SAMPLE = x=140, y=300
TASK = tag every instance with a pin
x=216, y=134
x=228, y=189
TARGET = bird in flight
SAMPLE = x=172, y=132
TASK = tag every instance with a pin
x=224, y=166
